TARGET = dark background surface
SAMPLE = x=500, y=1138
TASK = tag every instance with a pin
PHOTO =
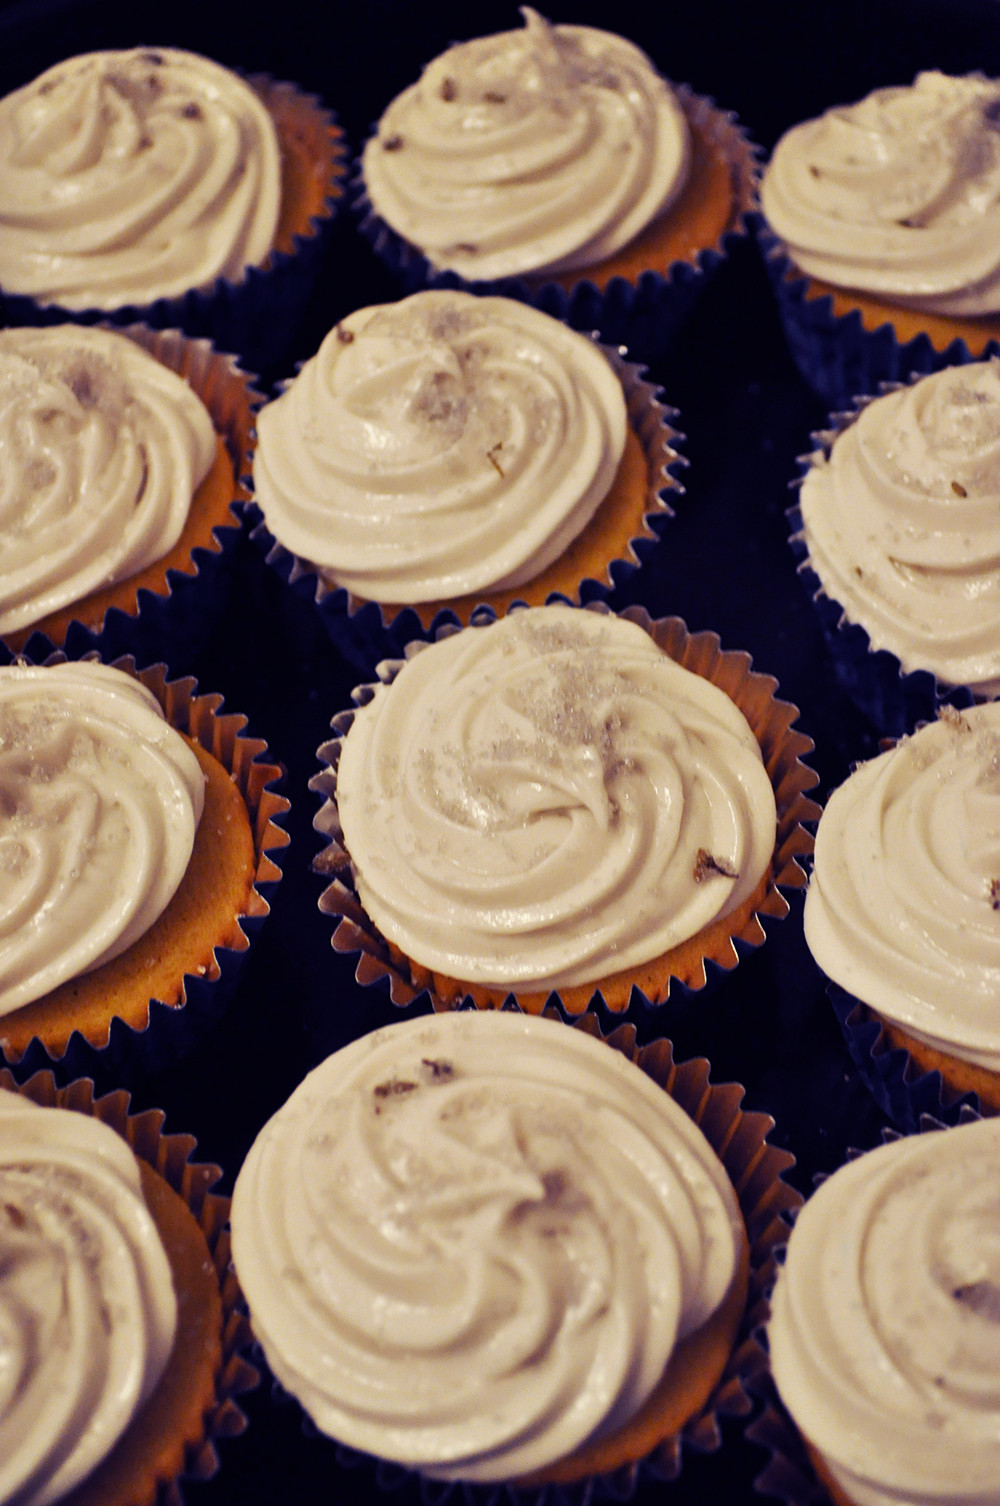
x=723, y=564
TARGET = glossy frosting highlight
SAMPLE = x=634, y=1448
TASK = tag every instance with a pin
x=902, y=524
x=99, y=802
x=101, y=451
x=897, y=195
x=903, y=908
x=549, y=799
x=469, y=1242
x=439, y=446
x=538, y=150
x=87, y=1305
x=130, y=176
x=885, y=1334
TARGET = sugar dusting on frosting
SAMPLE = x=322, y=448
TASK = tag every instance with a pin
x=551, y=799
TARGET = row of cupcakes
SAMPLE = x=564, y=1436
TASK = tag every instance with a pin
x=594, y=189
x=494, y=1248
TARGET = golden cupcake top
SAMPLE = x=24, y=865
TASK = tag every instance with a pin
x=128, y=176
x=99, y=803
x=537, y=150
x=550, y=798
x=442, y=445
x=471, y=1242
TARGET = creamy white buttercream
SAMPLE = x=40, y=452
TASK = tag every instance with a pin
x=87, y=1305
x=902, y=524
x=131, y=176
x=101, y=451
x=438, y=446
x=469, y=1243
x=538, y=150
x=897, y=195
x=99, y=802
x=903, y=908
x=885, y=1334
x=550, y=799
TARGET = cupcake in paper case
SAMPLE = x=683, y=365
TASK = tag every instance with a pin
x=898, y=530
x=903, y=911
x=157, y=184
x=884, y=1337
x=138, y=838
x=560, y=802
x=881, y=233
x=122, y=465
x=127, y=1350
x=448, y=450
x=558, y=1283
x=554, y=163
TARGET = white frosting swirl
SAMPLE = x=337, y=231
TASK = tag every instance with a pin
x=885, y=1334
x=903, y=908
x=902, y=524
x=540, y=150
x=551, y=799
x=469, y=1243
x=99, y=802
x=87, y=1305
x=131, y=176
x=441, y=445
x=898, y=195
x=101, y=451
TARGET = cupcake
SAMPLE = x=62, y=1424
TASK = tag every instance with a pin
x=555, y=162
x=553, y=803
x=123, y=1345
x=450, y=450
x=158, y=181
x=884, y=217
x=489, y=1247
x=898, y=520
x=883, y=1337
x=122, y=457
x=901, y=910
x=131, y=857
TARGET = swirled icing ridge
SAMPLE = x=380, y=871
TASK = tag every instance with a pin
x=538, y=150
x=897, y=195
x=132, y=176
x=902, y=524
x=101, y=451
x=441, y=445
x=903, y=908
x=885, y=1334
x=99, y=802
x=470, y=1242
x=87, y=1306
x=550, y=799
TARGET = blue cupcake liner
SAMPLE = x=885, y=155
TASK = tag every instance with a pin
x=172, y=621
x=645, y=315
x=837, y=356
x=904, y=1093
x=366, y=631
x=783, y=750
x=757, y=1170
x=172, y=1030
x=259, y=315
x=894, y=701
